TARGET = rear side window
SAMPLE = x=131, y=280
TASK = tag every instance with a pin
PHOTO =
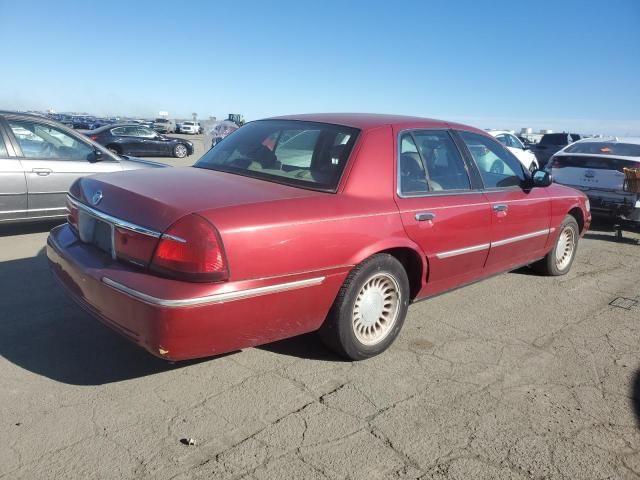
x=429, y=161
x=498, y=168
x=304, y=154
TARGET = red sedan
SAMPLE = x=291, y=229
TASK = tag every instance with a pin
x=333, y=222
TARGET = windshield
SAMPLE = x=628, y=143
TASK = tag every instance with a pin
x=606, y=148
x=161, y=120
x=304, y=154
x=554, y=139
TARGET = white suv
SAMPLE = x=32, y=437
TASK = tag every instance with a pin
x=596, y=166
x=515, y=146
x=189, y=127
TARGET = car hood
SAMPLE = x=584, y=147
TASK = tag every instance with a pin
x=134, y=163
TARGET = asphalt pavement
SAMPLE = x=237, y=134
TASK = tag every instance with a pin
x=519, y=376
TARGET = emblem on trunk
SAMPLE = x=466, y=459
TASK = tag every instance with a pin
x=589, y=174
x=96, y=197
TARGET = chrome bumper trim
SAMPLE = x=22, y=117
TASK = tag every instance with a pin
x=486, y=246
x=113, y=220
x=216, y=298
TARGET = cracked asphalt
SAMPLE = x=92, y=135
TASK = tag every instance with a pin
x=519, y=376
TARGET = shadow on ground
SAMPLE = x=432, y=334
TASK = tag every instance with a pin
x=635, y=396
x=42, y=331
x=10, y=229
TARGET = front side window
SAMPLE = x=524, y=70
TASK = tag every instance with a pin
x=3, y=150
x=515, y=142
x=498, y=167
x=305, y=154
x=38, y=140
x=430, y=162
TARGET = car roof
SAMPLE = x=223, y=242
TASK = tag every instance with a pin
x=366, y=121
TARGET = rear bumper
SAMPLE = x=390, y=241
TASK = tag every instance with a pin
x=162, y=316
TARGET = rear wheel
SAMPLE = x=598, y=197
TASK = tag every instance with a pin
x=370, y=309
x=180, y=151
x=559, y=260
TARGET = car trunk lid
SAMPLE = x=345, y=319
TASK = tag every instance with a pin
x=591, y=171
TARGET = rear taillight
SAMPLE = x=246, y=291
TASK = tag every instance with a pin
x=556, y=163
x=191, y=250
x=93, y=137
x=133, y=247
x=72, y=214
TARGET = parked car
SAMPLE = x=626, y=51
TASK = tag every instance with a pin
x=596, y=166
x=221, y=130
x=337, y=228
x=164, y=125
x=550, y=143
x=515, y=146
x=189, y=127
x=40, y=159
x=133, y=139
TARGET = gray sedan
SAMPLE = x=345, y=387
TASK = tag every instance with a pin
x=40, y=159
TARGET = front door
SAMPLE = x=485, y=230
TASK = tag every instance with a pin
x=13, y=185
x=52, y=159
x=440, y=209
x=520, y=217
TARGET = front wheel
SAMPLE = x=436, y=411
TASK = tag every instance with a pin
x=369, y=311
x=180, y=151
x=559, y=260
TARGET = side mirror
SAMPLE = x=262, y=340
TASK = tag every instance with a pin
x=94, y=156
x=541, y=178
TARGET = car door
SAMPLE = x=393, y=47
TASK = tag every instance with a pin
x=442, y=208
x=13, y=185
x=52, y=158
x=520, y=214
x=124, y=137
x=151, y=142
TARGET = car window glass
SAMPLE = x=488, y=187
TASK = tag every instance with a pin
x=144, y=132
x=295, y=147
x=43, y=141
x=118, y=131
x=413, y=179
x=445, y=167
x=502, y=139
x=305, y=154
x=515, y=143
x=498, y=167
x=3, y=150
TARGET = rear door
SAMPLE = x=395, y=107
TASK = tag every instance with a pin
x=13, y=185
x=52, y=158
x=520, y=217
x=441, y=208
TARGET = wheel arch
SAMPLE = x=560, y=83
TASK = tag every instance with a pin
x=576, y=212
x=407, y=253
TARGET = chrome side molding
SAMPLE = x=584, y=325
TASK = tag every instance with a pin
x=210, y=299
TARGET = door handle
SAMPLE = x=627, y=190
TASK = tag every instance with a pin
x=425, y=216
x=500, y=207
x=43, y=172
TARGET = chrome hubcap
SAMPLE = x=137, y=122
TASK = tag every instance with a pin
x=565, y=248
x=376, y=309
x=181, y=151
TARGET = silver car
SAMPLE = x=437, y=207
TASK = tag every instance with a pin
x=596, y=166
x=40, y=159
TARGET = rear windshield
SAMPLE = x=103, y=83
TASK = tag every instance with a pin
x=593, y=163
x=606, y=148
x=304, y=154
x=554, y=139
x=161, y=120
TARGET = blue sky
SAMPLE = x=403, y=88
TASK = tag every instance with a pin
x=504, y=64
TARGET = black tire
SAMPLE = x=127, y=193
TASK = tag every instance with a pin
x=114, y=149
x=339, y=330
x=550, y=264
x=180, y=151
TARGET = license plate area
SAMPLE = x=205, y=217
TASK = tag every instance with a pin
x=96, y=232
